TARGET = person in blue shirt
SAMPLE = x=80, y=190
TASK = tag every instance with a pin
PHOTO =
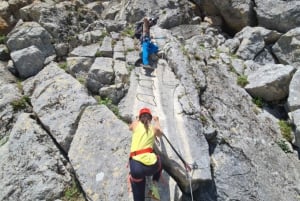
x=148, y=47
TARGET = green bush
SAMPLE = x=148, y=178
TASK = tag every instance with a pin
x=203, y=119
x=283, y=145
x=286, y=130
x=2, y=39
x=130, y=49
x=82, y=80
x=109, y=104
x=258, y=101
x=98, y=54
x=130, y=67
x=21, y=103
x=63, y=65
x=232, y=69
x=129, y=31
x=242, y=80
x=72, y=193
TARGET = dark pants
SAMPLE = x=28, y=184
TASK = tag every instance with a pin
x=138, y=173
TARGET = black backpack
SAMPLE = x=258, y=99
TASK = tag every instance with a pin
x=138, y=30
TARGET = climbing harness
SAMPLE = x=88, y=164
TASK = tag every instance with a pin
x=142, y=151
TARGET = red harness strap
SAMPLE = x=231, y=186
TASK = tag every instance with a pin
x=142, y=151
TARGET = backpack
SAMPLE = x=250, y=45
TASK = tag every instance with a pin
x=138, y=30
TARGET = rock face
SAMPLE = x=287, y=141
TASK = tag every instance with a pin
x=9, y=92
x=270, y=82
x=57, y=99
x=28, y=61
x=29, y=34
x=101, y=165
x=287, y=48
x=40, y=173
x=237, y=14
x=278, y=15
x=225, y=86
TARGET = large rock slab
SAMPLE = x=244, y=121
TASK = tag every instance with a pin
x=32, y=167
x=295, y=117
x=85, y=51
x=236, y=13
x=277, y=14
x=270, y=82
x=250, y=47
x=287, y=48
x=59, y=19
x=100, y=74
x=293, y=101
x=57, y=99
x=99, y=154
x=245, y=157
x=121, y=72
x=79, y=66
x=28, y=61
x=179, y=62
x=9, y=92
x=119, y=51
x=106, y=49
x=28, y=34
x=253, y=41
x=269, y=36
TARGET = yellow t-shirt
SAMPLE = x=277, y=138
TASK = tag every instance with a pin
x=142, y=140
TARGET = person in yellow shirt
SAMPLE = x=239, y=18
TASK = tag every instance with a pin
x=143, y=162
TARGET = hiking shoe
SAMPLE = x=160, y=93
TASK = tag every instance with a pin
x=148, y=67
x=153, y=58
x=154, y=192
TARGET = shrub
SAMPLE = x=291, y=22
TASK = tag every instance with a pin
x=2, y=39
x=242, y=80
x=81, y=80
x=258, y=101
x=130, y=49
x=203, y=119
x=286, y=130
x=98, y=54
x=109, y=104
x=20, y=103
x=129, y=31
x=72, y=193
x=130, y=67
x=232, y=69
x=283, y=145
x=63, y=65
